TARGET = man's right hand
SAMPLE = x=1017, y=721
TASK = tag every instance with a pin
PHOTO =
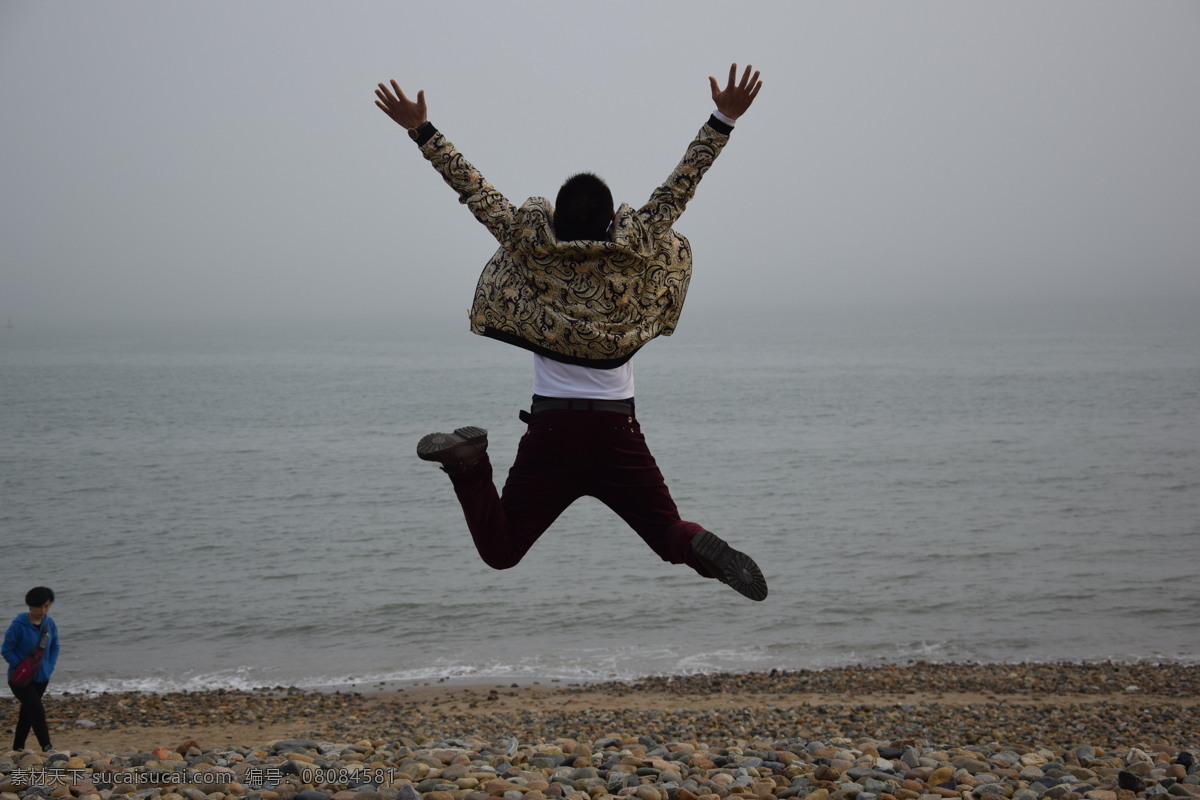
x=403, y=111
x=734, y=99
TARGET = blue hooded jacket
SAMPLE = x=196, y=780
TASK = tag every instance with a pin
x=22, y=637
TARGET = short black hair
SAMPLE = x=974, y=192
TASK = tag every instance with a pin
x=583, y=209
x=38, y=596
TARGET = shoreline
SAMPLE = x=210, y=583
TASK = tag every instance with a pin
x=1102, y=728
x=475, y=681
x=103, y=720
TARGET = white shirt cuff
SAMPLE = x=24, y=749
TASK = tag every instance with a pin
x=725, y=119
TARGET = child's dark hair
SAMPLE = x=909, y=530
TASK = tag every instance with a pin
x=38, y=596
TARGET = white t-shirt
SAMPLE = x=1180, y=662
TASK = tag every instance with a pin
x=556, y=379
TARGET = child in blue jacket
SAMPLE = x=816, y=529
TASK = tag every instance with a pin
x=20, y=640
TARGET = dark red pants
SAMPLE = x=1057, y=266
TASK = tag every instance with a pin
x=563, y=456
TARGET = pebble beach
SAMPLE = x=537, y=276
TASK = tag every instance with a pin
x=916, y=731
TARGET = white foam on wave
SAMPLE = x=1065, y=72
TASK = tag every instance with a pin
x=628, y=664
x=239, y=678
x=590, y=666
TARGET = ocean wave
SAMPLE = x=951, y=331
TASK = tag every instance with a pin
x=596, y=666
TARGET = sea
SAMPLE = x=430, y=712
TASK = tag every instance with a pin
x=237, y=503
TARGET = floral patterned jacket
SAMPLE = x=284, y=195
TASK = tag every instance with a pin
x=593, y=303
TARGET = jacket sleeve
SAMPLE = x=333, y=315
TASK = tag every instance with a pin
x=487, y=204
x=10, y=646
x=668, y=201
x=52, y=650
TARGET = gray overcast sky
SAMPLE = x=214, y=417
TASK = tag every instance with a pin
x=226, y=158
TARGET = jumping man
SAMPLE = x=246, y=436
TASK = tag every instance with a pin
x=583, y=286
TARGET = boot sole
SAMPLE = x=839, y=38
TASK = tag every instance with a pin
x=435, y=446
x=730, y=566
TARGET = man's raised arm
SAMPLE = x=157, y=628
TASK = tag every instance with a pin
x=670, y=199
x=487, y=204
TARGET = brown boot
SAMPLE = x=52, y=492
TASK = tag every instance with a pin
x=729, y=566
x=456, y=451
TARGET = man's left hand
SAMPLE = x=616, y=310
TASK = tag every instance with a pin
x=735, y=98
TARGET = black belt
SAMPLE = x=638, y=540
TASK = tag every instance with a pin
x=575, y=404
